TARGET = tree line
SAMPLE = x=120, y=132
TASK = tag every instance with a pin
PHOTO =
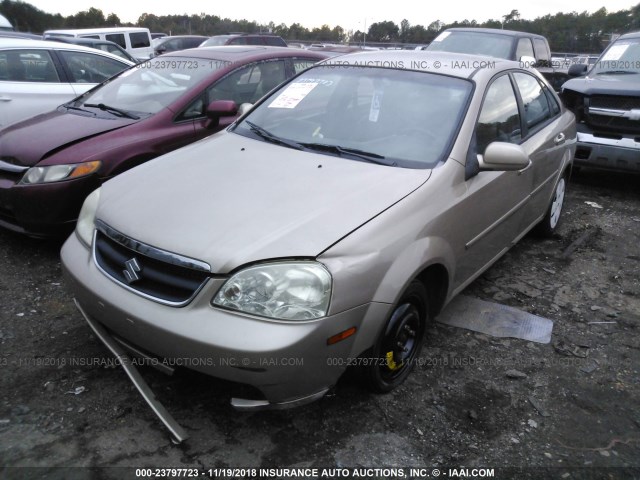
x=572, y=32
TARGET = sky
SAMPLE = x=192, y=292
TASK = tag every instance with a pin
x=349, y=15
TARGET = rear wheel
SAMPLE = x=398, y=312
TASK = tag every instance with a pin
x=551, y=220
x=393, y=355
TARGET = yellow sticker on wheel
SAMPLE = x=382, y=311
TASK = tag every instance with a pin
x=391, y=363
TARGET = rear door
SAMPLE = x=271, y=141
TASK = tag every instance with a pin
x=544, y=141
x=30, y=83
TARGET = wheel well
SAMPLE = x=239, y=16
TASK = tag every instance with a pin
x=435, y=278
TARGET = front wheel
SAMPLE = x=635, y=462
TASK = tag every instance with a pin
x=396, y=348
x=549, y=223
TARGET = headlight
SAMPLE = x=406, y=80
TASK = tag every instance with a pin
x=85, y=225
x=285, y=291
x=56, y=173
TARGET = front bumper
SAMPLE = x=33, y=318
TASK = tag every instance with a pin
x=289, y=362
x=618, y=154
x=42, y=210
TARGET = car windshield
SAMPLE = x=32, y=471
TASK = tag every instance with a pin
x=149, y=87
x=394, y=117
x=476, y=43
x=623, y=57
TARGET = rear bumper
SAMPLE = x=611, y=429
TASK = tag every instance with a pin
x=621, y=154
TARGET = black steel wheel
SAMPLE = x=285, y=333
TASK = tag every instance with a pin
x=398, y=345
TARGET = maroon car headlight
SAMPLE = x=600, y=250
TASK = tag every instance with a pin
x=57, y=173
x=283, y=291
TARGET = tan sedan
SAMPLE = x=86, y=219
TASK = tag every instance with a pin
x=328, y=225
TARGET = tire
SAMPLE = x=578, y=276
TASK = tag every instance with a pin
x=393, y=356
x=547, y=227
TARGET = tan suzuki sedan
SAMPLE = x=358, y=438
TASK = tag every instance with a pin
x=327, y=226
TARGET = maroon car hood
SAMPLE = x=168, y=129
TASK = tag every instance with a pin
x=28, y=142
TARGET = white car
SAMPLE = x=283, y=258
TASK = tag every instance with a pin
x=37, y=76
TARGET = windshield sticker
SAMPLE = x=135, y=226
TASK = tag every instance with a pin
x=293, y=95
x=615, y=53
x=376, y=101
x=442, y=36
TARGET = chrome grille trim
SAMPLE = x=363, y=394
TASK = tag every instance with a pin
x=153, y=252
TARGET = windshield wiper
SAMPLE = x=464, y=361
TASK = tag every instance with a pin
x=116, y=111
x=71, y=107
x=354, y=152
x=270, y=137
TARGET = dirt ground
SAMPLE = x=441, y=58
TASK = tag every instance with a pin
x=568, y=409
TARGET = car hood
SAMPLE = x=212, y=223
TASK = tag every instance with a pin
x=27, y=143
x=230, y=200
x=619, y=85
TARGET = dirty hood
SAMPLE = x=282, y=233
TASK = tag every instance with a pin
x=230, y=200
x=627, y=85
x=28, y=142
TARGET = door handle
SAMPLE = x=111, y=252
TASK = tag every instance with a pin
x=559, y=140
x=5, y=99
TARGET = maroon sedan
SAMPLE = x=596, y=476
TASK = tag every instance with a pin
x=51, y=162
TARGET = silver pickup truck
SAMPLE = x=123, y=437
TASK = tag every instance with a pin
x=606, y=102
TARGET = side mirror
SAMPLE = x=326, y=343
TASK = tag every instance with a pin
x=578, y=69
x=527, y=62
x=221, y=109
x=501, y=156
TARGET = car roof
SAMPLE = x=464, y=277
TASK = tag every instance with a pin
x=168, y=37
x=240, y=52
x=629, y=35
x=97, y=30
x=52, y=45
x=453, y=64
x=495, y=31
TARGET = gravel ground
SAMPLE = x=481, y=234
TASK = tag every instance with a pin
x=568, y=409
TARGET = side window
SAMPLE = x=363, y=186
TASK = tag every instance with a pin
x=499, y=118
x=27, y=66
x=553, y=103
x=139, y=40
x=237, y=41
x=542, y=53
x=524, y=48
x=249, y=83
x=89, y=68
x=536, y=106
x=300, y=64
x=116, y=38
x=275, y=41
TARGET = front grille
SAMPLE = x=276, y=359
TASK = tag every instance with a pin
x=609, y=122
x=616, y=103
x=163, y=276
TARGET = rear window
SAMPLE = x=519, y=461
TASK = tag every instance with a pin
x=476, y=43
x=139, y=40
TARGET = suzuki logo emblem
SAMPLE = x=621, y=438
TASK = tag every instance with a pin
x=132, y=270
